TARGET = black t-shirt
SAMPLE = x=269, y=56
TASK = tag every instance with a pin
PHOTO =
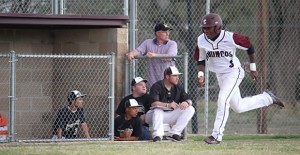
x=142, y=100
x=122, y=124
x=158, y=92
x=69, y=121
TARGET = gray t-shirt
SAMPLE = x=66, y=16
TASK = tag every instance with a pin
x=156, y=67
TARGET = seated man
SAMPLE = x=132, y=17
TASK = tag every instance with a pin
x=139, y=93
x=128, y=125
x=70, y=118
x=168, y=94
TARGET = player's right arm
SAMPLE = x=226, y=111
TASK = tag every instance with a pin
x=132, y=54
x=200, y=76
x=201, y=65
x=141, y=50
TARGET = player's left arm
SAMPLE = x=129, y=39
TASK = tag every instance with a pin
x=243, y=42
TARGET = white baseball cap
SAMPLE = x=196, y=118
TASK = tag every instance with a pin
x=132, y=103
x=172, y=70
x=75, y=94
x=137, y=80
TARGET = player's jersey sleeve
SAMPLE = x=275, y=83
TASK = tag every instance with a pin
x=241, y=42
x=61, y=119
x=183, y=95
x=155, y=92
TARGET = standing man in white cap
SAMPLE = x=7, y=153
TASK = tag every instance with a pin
x=139, y=93
x=168, y=94
x=161, y=45
x=128, y=124
x=71, y=117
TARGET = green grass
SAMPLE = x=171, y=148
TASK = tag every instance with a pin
x=231, y=144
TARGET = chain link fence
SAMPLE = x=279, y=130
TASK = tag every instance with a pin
x=42, y=85
x=73, y=7
x=273, y=30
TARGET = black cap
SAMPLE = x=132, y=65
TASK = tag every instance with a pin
x=161, y=27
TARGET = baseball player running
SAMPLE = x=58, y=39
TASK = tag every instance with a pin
x=218, y=48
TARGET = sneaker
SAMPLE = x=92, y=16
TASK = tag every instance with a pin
x=275, y=99
x=156, y=139
x=211, y=140
x=174, y=138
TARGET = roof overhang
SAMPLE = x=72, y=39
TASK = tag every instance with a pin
x=8, y=20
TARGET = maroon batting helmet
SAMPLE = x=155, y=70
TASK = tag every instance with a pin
x=212, y=20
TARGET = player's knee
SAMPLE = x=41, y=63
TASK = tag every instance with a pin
x=191, y=109
x=158, y=111
x=237, y=110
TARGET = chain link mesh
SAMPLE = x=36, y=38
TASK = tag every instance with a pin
x=42, y=87
x=4, y=86
x=273, y=30
x=75, y=7
x=26, y=6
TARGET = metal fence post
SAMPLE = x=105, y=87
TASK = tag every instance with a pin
x=54, y=7
x=132, y=40
x=62, y=7
x=185, y=81
x=12, y=95
x=111, y=96
x=127, y=66
x=206, y=82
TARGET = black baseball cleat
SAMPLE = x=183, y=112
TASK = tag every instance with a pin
x=156, y=139
x=275, y=99
x=174, y=138
x=211, y=140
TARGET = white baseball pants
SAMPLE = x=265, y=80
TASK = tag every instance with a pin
x=177, y=119
x=230, y=96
